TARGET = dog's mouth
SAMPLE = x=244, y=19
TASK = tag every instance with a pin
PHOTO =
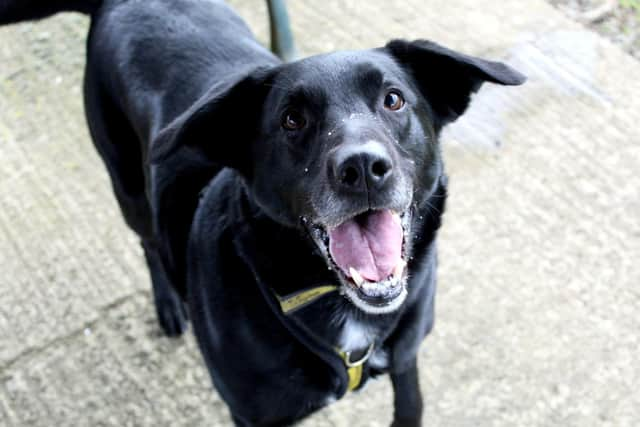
x=368, y=254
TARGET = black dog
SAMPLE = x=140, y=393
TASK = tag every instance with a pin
x=293, y=206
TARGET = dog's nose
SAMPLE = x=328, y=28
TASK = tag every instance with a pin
x=362, y=167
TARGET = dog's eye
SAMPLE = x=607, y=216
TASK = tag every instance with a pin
x=293, y=120
x=393, y=101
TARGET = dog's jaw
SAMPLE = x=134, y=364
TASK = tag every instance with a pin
x=372, y=297
x=389, y=307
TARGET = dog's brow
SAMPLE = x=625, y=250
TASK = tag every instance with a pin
x=370, y=76
x=301, y=92
x=305, y=94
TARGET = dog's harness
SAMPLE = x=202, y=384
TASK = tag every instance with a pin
x=292, y=302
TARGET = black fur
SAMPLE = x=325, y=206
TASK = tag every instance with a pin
x=12, y=11
x=186, y=109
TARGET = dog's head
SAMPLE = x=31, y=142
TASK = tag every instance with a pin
x=343, y=146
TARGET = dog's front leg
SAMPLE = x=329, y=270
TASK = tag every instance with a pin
x=407, y=398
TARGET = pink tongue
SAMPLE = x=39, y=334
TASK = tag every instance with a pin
x=373, y=246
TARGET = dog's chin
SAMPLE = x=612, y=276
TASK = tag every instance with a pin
x=383, y=294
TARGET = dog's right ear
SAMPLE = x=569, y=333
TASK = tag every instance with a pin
x=220, y=126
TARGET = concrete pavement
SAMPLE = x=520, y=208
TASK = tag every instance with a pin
x=537, y=320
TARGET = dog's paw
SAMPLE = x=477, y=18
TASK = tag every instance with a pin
x=172, y=315
x=406, y=422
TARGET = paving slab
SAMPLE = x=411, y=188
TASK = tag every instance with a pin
x=537, y=320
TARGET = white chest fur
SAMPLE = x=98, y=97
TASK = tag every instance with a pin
x=356, y=336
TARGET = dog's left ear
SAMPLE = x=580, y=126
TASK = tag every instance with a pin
x=221, y=125
x=447, y=78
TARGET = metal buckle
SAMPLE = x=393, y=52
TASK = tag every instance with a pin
x=363, y=359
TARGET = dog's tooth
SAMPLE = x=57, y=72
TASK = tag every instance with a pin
x=397, y=272
x=356, y=276
x=396, y=217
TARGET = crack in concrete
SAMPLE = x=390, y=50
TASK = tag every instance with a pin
x=101, y=312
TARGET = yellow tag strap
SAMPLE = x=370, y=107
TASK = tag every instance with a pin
x=354, y=369
x=355, y=376
x=298, y=300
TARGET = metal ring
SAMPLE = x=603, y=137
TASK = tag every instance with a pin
x=350, y=364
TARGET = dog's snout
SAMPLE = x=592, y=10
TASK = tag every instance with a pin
x=362, y=168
